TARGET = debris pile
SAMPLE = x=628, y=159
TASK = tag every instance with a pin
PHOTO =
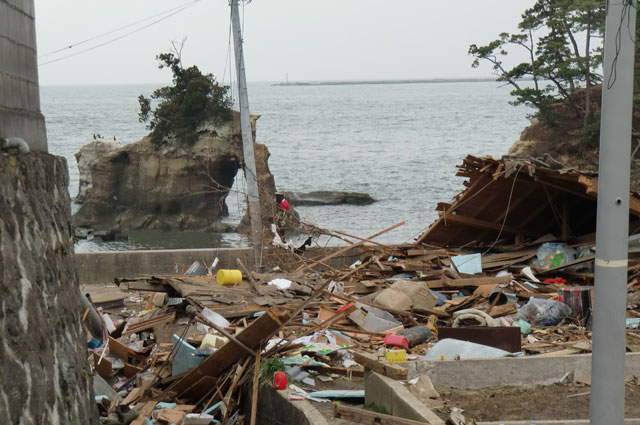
x=506, y=273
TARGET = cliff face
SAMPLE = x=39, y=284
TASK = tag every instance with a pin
x=43, y=359
x=137, y=186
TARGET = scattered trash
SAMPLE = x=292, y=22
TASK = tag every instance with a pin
x=453, y=349
x=539, y=311
x=228, y=277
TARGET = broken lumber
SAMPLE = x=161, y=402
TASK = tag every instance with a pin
x=257, y=333
x=369, y=361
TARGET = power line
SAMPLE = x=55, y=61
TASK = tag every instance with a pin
x=113, y=31
x=182, y=8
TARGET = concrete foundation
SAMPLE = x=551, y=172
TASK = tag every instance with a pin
x=517, y=371
x=398, y=400
x=103, y=267
x=274, y=408
x=565, y=422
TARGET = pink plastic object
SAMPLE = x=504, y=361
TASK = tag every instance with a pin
x=285, y=205
x=391, y=340
x=280, y=381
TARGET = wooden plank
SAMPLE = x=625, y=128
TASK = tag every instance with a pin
x=150, y=323
x=259, y=331
x=254, y=391
x=482, y=224
x=203, y=385
x=446, y=282
x=347, y=248
x=142, y=285
x=131, y=370
x=104, y=369
x=145, y=412
x=124, y=352
x=369, y=417
x=338, y=371
x=387, y=369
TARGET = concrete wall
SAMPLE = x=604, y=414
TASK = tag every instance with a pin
x=19, y=93
x=44, y=372
x=512, y=371
x=103, y=267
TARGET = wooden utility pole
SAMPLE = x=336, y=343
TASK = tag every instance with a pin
x=247, y=139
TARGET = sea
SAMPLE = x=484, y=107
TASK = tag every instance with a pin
x=399, y=143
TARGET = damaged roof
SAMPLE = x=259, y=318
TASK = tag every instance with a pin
x=515, y=200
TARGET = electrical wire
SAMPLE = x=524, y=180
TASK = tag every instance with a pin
x=115, y=30
x=506, y=214
x=626, y=14
x=124, y=35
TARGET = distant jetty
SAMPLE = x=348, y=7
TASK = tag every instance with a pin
x=363, y=82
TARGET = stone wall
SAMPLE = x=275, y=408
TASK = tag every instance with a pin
x=19, y=94
x=43, y=360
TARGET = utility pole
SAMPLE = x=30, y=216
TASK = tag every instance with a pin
x=247, y=139
x=612, y=231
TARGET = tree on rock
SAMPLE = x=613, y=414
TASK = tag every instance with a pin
x=557, y=36
x=193, y=98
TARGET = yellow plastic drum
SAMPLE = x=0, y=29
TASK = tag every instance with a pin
x=395, y=356
x=228, y=277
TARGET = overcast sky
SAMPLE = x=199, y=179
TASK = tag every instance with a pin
x=309, y=40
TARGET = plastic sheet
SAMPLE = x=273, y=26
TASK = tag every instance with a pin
x=544, y=312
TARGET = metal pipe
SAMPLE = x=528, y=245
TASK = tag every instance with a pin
x=612, y=231
x=15, y=142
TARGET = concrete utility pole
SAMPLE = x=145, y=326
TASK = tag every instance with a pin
x=607, y=374
x=247, y=138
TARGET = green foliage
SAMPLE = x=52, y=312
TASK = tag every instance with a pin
x=551, y=33
x=268, y=367
x=193, y=98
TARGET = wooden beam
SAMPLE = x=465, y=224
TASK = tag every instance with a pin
x=369, y=417
x=514, y=205
x=471, y=282
x=484, y=178
x=347, y=248
x=357, y=373
x=482, y=224
x=479, y=211
x=539, y=209
x=369, y=361
x=145, y=412
x=259, y=331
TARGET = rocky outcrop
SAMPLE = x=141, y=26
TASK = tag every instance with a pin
x=329, y=197
x=43, y=362
x=173, y=187
x=87, y=158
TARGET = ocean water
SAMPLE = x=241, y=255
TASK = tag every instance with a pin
x=399, y=143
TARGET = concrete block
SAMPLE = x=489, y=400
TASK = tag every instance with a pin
x=515, y=371
x=18, y=60
x=396, y=398
x=27, y=125
x=17, y=25
x=18, y=93
x=274, y=408
x=25, y=6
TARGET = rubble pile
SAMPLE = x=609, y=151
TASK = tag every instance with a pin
x=506, y=273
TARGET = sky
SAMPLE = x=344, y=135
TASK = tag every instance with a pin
x=321, y=40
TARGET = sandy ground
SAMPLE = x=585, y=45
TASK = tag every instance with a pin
x=543, y=402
